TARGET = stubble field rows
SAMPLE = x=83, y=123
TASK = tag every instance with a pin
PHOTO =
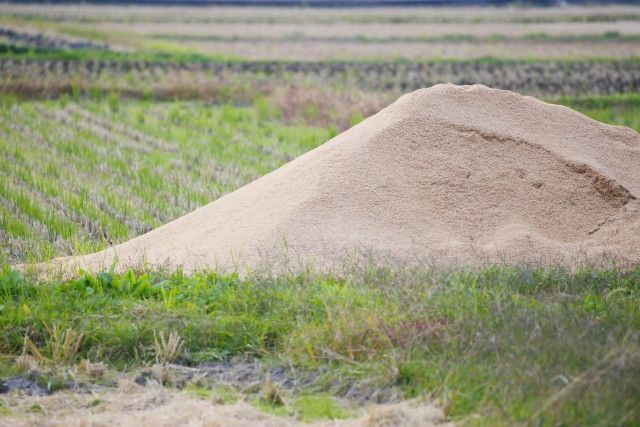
x=47, y=77
x=79, y=177
x=388, y=34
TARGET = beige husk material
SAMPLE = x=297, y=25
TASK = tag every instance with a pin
x=450, y=174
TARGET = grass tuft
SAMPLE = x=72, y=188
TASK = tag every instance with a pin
x=167, y=349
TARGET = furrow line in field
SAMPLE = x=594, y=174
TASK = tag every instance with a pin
x=68, y=119
x=194, y=165
x=230, y=177
x=99, y=206
x=18, y=236
x=46, y=198
x=96, y=126
x=115, y=127
x=95, y=230
x=271, y=152
x=26, y=227
x=224, y=173
x=49, y=210
x=227, y=174
x=48, y=224
x=173, y=206
x=103, y=154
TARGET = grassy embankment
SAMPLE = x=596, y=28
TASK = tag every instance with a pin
x=501, y=345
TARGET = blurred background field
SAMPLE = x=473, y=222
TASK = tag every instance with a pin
x=347, y=34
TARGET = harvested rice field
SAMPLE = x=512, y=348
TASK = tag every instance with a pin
x=364, y=34
x=313, y=216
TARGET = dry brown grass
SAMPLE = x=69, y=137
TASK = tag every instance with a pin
x=92, y=369
x=26, y=363
x=167, y=349
x=132, y=405
x=64, y=344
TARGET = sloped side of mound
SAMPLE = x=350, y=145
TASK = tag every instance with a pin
x=450, y=173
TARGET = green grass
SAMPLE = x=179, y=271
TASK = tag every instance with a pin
x=622, y=110
x=308, y=408
x=501, y=345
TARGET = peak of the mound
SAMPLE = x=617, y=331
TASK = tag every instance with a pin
x=450, y=173
x=500, y=116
